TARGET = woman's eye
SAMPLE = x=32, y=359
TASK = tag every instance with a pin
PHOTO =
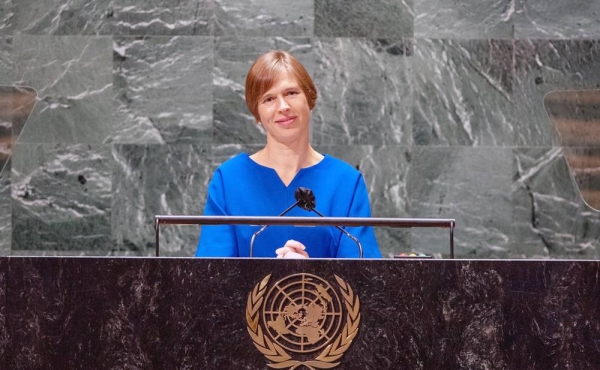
x=269, y=99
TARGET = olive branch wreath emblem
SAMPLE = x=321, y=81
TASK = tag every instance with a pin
x=279, y=358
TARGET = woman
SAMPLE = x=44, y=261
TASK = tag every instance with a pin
x=281, y=95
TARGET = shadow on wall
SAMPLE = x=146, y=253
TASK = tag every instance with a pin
x=16, y=105
x=575, y=115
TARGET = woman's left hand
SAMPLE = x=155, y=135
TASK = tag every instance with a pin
x=292, y=249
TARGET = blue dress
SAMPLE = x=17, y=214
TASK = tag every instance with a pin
x=242, y=187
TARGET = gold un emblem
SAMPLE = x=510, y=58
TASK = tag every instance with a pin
x=300, y=315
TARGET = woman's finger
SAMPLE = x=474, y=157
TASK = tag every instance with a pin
x=294, y=255
x=296, y=246
x=282, y=251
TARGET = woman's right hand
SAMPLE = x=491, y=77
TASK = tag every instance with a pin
x=292, y=249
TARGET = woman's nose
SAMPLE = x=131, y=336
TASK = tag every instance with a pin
x=282, y=104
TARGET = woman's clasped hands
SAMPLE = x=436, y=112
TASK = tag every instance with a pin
x=292, y=249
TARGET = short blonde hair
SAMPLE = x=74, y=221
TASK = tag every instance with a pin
x=264, y=74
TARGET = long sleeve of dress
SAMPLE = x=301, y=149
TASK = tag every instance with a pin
x=216, y=240
x=359, y=208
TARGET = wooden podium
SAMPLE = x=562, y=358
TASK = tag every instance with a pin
x=185, y=313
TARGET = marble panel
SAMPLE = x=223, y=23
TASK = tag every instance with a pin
x=368, y=18
x=73, y=78
x=542, y=66
x=463, y=92
x=70, y=253
x=470, y=19
x=61, y=197
x=125, y=302
x=233, y=122
x=189, y=313
x=163, y=89
x=56, y=318
x=154, y=180
x=158, y=17
x=559, y=311
x=263, y=18
x=557, y=19
x=470, y=185
x=62, y=17
x=221, y=153
x=365, y=92
x=6, y=62
x=5, y=350
x=113, y=252
x=550, y=217
x=6, y=16
x=5, y=209
x=385, y=169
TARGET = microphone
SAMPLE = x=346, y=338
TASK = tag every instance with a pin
x=298, y=201
x=305, y=199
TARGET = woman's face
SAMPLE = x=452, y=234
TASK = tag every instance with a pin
x=284, y=111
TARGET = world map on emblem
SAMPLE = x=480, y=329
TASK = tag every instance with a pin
x=302, y=313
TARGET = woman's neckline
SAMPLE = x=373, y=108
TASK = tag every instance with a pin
x=316, y=159
x=302, y=169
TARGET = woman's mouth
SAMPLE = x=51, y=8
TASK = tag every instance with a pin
x=286, y=121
